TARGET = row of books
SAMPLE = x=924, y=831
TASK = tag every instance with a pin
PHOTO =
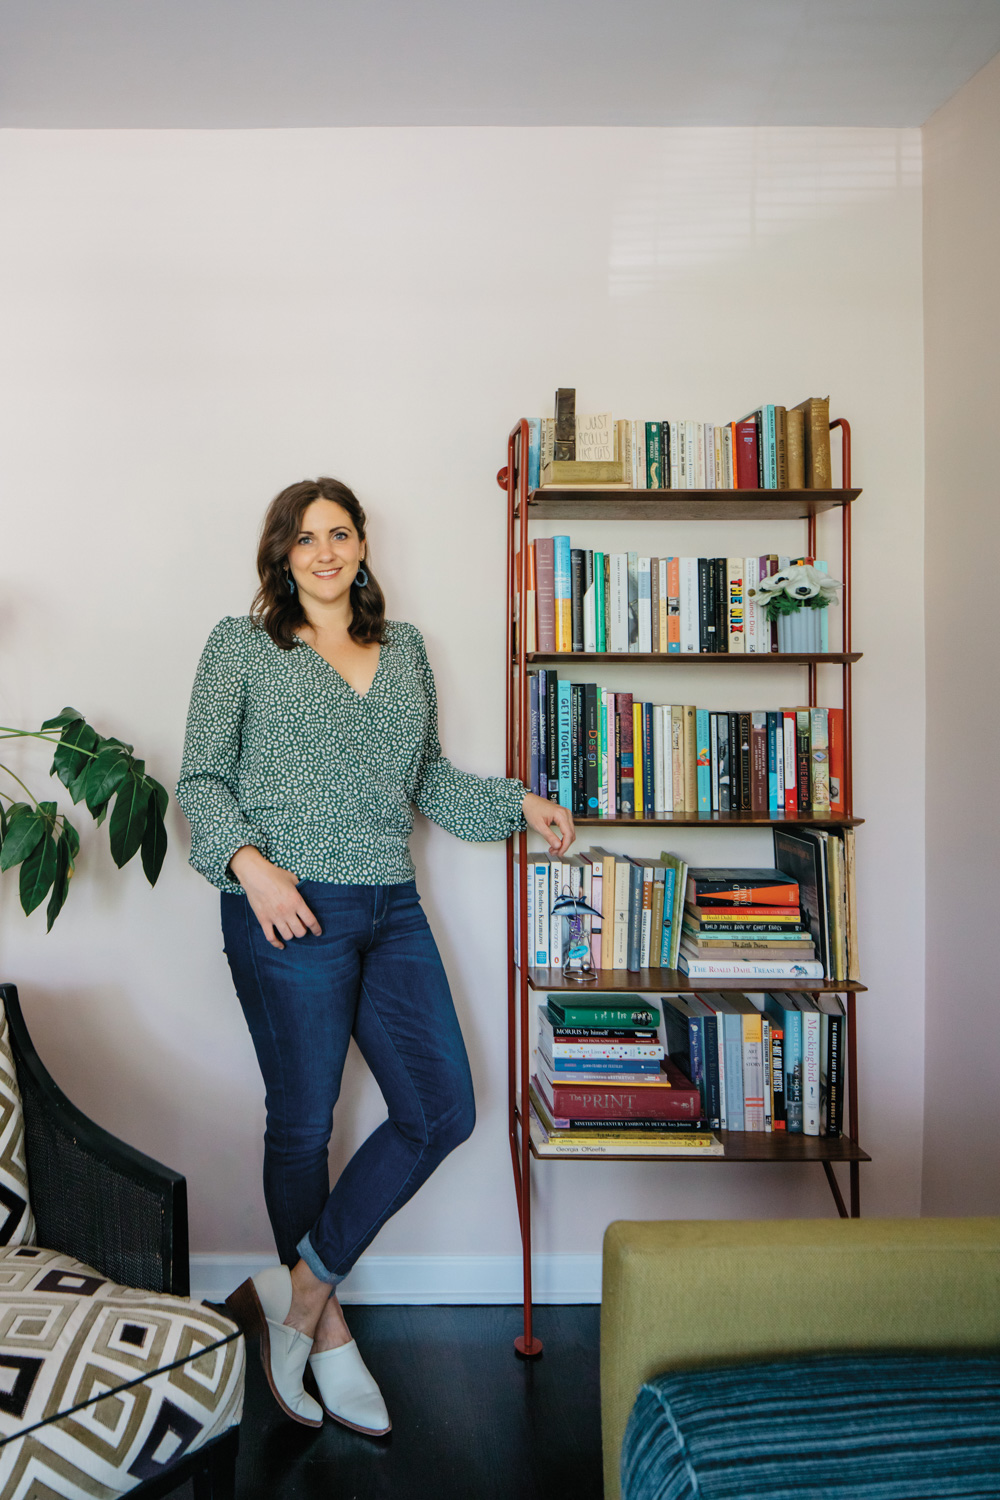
x=583, y=600
x=609, y=755
x=750, y=916
x=773, y=448
x=605, y=1085
x=641, y=900
x=765, y=1062
x=656, y=913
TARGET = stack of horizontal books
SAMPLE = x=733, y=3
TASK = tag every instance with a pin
x=605, y=1087
x=745, y=924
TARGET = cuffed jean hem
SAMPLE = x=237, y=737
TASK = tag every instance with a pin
x=316, y=1266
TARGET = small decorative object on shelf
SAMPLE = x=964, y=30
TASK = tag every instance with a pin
x=798, y=587
x=787, y=596
x=579, y=962
x=767, y=1055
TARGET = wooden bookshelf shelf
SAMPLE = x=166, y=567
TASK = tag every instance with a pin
x=685, y=505
x=673, y=982
x=690, y=658
x=724, y=820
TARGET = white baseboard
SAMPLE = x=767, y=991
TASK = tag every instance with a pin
x=418, y=1279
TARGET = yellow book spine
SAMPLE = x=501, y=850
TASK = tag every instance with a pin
x=564, y=625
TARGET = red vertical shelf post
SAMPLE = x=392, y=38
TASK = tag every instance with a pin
x=515, y=481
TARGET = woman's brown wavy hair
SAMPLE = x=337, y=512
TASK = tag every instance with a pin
x=275, y=607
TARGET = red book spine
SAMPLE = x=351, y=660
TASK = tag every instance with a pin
x=545, y=595
x=791, y=799
x=570, y=1101
x=835, y=751
x=745, y=452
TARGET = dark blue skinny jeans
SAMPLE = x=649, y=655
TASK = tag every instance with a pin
x=375, y=974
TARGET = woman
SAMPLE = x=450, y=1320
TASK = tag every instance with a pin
x=312, y=730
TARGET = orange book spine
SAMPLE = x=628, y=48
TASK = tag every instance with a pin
x=673, y=604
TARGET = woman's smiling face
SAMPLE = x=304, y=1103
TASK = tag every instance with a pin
x=327, y=553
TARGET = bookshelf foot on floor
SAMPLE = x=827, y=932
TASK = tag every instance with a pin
x=528, y=1348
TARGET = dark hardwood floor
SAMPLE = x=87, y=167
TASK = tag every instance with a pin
x=470, y=1420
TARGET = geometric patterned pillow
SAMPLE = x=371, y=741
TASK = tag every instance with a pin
x=103, y=1387
x=17, y=1223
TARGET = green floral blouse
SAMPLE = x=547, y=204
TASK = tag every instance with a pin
x=283, y=754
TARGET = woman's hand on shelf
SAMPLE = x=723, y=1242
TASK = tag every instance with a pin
x=553, y=822
x=273, y=896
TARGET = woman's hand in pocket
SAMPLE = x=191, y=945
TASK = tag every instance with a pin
x=274, y=897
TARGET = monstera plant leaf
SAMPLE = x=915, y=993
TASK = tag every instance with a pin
x=94, y=769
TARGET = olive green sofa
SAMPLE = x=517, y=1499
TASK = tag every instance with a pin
x=681, y=1295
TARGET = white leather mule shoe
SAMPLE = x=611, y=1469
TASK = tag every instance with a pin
x=261, y=1306
x=348, y=1390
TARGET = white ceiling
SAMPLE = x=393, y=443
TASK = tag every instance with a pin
x=268, y=63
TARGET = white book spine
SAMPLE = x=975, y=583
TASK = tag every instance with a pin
x=699, y=455
x=668, y=759
x=721, y=1049
x=810, y=1071
x=657, y=760
x=540, y=933
x=736, y=600
x=720, y=478
x=556, y=923
x=751, y=578
x=645, y=933
x=627, y=450
x=619, y=602
x=620, y=933
x=597, y=902
x=688, y=480
x=789, y=758
x=709, y=439
x=645, y=605
x=739, y=968
x=688, y=571
x=590, y=611
x=675, y=457
x=753, y=1091
x=728, y=481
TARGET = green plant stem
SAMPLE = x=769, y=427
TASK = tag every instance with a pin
x=36, y=734
x=20, y=783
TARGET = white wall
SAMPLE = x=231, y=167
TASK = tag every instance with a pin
x=194, y=320
x=962, y=319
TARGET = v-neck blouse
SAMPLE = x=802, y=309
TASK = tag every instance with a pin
x=282, y=753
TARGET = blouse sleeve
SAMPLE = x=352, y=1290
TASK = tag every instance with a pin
x=478, y=808
x=208, y=787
